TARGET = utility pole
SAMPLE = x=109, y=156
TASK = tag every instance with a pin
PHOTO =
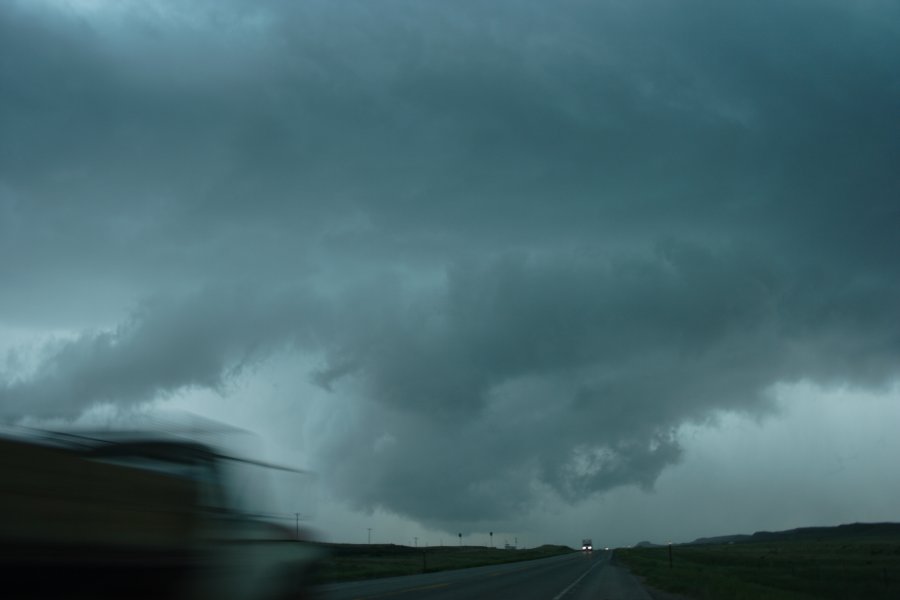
x=370, y=536
x=417, y=541
x=297, y=527
x=492, y=539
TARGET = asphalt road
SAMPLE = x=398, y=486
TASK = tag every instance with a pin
x=575, y=576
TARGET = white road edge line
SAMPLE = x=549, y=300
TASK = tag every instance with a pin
x=574, y=583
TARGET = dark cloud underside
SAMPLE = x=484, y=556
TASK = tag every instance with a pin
x=532, y=238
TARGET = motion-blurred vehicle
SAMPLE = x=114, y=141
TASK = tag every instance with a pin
x=138, y=516
x=586, y=545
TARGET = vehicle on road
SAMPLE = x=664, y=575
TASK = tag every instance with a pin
x=587, y=545
x=138, y=516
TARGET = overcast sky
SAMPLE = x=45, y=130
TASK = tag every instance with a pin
x=553, y=269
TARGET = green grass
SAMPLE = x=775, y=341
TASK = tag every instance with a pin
x=781, y=570
x=349, y=562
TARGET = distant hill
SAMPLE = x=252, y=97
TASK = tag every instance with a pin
x=722, y=539
x=849, y=531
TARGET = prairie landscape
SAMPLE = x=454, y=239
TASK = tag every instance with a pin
x=357, y=561
x=851, y=561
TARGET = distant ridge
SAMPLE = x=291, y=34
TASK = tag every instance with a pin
x=722, y=539
x=851, y=530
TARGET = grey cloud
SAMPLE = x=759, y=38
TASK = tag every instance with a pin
x=622, y=353
x=166, y=346
x=531, y=242
x=335, y=111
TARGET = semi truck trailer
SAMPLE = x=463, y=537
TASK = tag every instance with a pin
x=137, y=516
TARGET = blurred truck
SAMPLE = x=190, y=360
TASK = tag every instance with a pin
x=137, y=516
x=587, y=545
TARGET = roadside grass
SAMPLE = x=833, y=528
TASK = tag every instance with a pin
x=348, y=562
x=784, y=570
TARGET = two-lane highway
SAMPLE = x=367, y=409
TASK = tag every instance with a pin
x=575, y=576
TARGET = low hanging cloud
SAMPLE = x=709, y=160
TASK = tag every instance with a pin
x=201, y=340
x=575, y=374
x=513, y=378
x=527, y=243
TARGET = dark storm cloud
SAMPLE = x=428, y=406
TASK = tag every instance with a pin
x=199, y=341
x=534, y=238
x=576, y=372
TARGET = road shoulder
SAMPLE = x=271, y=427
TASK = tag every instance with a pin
x=657, y=594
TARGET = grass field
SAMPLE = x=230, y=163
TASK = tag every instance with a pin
x=777, y=570
x=349, y=561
